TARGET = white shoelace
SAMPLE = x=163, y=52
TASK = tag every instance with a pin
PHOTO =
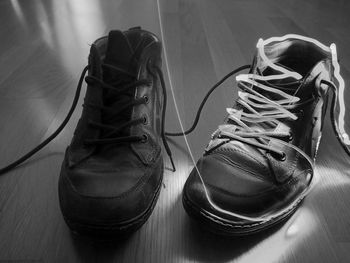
x=266, y=110
x=271, y=111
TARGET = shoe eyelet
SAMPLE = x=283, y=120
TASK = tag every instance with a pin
x=145, y=97
x=144, y=120
x=282, y=157
x=290, y=138
x=144, y=138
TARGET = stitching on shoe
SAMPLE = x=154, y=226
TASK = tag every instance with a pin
x=243, y=152
x=253, y=224
x=125, y=224
x=123, y=195
x=278, y=189
x=222, y=191
x=257, y=176
x=245, y=225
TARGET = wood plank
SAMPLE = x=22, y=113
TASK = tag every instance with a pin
x=44, y=47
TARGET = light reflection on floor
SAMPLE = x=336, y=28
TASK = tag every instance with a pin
x=18, y=11
x=279, y=244
x=44, y=24
x=83, y=25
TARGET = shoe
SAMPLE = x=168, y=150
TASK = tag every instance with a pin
x=258, y=165
x=112, y=171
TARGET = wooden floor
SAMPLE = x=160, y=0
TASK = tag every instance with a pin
x=44, y=46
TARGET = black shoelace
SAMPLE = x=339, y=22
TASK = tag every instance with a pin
x=112, y=131
x=206, y=97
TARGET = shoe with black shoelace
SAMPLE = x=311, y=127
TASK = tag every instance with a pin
x=112, y=171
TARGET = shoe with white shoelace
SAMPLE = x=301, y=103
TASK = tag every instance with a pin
x=258, y=165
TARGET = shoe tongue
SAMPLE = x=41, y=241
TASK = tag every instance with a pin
x=287, y=84
x=300, y=88
x=119, y=53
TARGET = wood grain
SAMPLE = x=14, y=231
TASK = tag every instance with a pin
x=44, y=46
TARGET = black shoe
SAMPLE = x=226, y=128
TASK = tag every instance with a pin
x=112, y=171
x=258, y=166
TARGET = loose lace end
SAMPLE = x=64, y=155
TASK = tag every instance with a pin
x=345, y=138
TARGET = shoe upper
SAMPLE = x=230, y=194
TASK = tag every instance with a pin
x=113, y=167
x=260, y=161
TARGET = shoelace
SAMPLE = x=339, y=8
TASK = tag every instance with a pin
x=116, y=88
x=113, y=130
x=260, y=109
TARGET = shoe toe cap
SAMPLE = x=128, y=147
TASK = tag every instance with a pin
x=108, y=196
x=225, y=189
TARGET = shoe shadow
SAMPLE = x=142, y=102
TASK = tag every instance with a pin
x=88, y=249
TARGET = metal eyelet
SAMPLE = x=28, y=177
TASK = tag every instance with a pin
x=144, y=138
x=282, y=157
x=145, y=97
x=145, y=122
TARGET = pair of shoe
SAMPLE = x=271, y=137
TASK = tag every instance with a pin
x=257, y=167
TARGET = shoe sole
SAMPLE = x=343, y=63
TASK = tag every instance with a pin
x=221, y=226
x=112, y=230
